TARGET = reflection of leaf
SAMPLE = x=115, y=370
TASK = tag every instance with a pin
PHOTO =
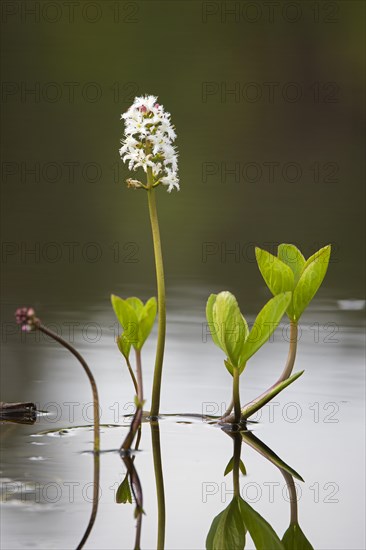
x=264, y=537
x=227, y=531
x=294, y=539
x=123, y=494
x=250, y=439
x=242, y=468
x=229, y=467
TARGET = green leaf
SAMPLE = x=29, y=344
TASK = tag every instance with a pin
x=311, y=278
x=139, y=404
x=229, y=367
x=229, y=466
x=294, y=539
x=136, y=304
x=253, y=407
x=242, y=468
x=210, y=320
x=136, y=319
x=263, y=535
x=290, y=255
x=124, y=346
x=227, y=531
x=233, y=329
x=124, y=494
x=125, y=313
x=146, y=320
x=278, y=276
x=265, y=324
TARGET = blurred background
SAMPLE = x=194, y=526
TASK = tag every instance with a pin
x=268, y=102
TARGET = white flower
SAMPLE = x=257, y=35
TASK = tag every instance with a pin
x=148, y=141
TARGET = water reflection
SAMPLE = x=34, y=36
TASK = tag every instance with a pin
x=229, y=529
x=96, y=486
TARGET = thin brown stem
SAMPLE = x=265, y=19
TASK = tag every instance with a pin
x=138, y=495
x=137, y=417
x=89, y=374
x=132, y=374
x=95, y=501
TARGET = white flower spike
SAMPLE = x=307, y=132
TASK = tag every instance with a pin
x=148, y=141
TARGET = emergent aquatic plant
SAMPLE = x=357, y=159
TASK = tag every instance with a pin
x=290, y=272
x=230, y=333
x=148, y=144
x=137, y=320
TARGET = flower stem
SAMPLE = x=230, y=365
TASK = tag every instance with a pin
x=155, y=402
x=236, y=396
x=89, y=374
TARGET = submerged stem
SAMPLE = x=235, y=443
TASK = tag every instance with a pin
x=155, y=402
x=292, y=496
x=159, y=480
x=236, y=463
x=89, y=374
x=94, y=511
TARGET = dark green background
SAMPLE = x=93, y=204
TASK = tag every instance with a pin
x=172, y=49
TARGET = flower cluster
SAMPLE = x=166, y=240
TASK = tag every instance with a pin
x=148, y=140
x=26, y=317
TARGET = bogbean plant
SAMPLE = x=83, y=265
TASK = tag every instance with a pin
x=148, y=145
x=137, y=320
x=294, y=282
